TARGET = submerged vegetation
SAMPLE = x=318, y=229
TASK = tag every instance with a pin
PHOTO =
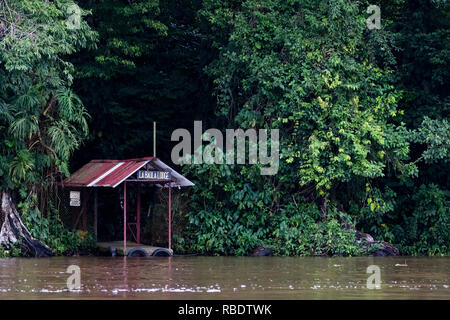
x=362, y=114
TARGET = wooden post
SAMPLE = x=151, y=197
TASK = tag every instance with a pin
x=75, y=213
x=95, y=212
x=80, y=212
x=138, y=218
x=124, y=217
x=84, y=209
x=154, y=138
x=170, y=215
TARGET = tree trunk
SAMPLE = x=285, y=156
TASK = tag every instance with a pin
x=13, y=231
x=323, y=207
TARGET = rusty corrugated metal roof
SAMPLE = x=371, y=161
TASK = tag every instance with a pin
x=110, y=173
x=104, y=173
x=123, y=171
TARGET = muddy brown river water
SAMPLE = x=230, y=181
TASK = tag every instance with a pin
x=225, y=278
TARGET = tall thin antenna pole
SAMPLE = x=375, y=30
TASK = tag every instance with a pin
x=154, y=138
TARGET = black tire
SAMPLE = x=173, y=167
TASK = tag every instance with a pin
x=161, y=252
x=112, y=251
x=137, y=252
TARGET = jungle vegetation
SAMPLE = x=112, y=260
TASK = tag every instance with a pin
x=362, y=114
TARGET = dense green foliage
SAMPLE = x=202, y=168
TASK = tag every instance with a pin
x=42, y=121
x=341, y=104
x=352, y=140
x=233, y=216
x=147, y=67
x=416, y=208
x=362, y=114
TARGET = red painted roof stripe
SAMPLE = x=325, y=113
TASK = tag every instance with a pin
x=96, y=168
x=121, y=173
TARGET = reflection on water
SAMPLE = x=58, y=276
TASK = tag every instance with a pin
x=225, y=278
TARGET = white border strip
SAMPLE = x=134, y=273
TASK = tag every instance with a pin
x=105, y=174
x=147, y=161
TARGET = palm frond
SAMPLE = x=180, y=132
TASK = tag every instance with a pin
x=7, y=111
x=64, y=138
x=70, y=105
x=27, y=101
x=25, y=126
x=22, y=163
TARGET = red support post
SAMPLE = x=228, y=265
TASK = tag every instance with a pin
x=138, y=218
x=170, y=215
x=124, y=217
